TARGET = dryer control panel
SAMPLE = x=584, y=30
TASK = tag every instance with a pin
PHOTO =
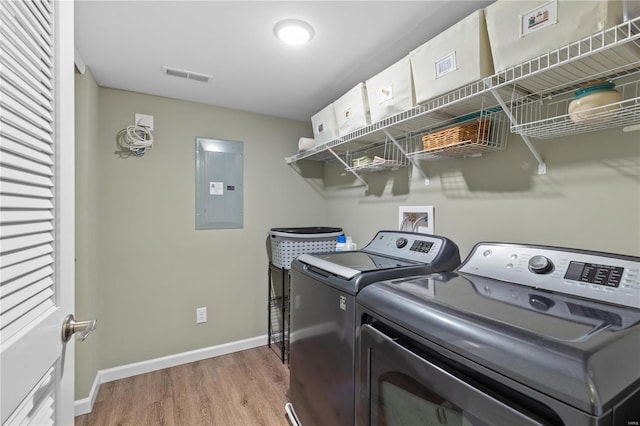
x=593, y=275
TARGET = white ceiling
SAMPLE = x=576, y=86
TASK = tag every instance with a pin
x=126, y=43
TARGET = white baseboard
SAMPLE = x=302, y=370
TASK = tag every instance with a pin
x=84, y=406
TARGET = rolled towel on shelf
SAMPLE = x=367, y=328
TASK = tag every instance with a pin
x=305, y=144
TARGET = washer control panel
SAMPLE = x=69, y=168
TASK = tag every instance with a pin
x=593, y=275
x=406, y=245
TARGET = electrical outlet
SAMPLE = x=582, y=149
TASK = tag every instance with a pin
x=201, y=315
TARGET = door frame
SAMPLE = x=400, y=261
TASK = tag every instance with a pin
x=65, y=198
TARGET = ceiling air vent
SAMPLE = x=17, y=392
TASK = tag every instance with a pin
x=190, y=75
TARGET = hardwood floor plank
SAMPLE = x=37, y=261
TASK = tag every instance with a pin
x=241, y=389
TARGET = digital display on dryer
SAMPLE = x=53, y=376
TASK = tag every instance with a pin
x=593, y=273
x=421, y=246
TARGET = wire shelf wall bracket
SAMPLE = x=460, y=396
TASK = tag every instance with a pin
x=388, y=156
x=349, y=169
x=411, y=159
x=542, y=167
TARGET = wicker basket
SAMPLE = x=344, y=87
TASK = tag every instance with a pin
x=472, y=133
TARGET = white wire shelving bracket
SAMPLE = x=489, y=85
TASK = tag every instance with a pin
x=346, y=166
x=542, y=167
x=411, y=159
x=611, y=53
x=389, y=156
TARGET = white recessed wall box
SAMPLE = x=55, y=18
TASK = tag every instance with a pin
x=416, y=219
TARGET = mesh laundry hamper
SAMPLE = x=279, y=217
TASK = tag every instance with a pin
x=289, y=243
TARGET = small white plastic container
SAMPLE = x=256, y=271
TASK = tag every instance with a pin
x=456, y=57
x=352, y=110
x=523, y=30
x=391, y=91
x=325, y=128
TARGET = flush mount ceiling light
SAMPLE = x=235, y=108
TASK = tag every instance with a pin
x=293, y=31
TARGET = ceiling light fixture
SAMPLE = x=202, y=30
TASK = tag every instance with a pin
x=293, y=31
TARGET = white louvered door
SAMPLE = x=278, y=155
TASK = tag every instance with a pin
x=36, y=211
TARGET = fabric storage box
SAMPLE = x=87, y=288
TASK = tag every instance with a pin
x=523, y=30
x=456, y=57
x=324, y=125
x=289, y=243
x=391, y=91
x=352, y=110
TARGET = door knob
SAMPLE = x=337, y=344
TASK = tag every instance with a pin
x=70, y=326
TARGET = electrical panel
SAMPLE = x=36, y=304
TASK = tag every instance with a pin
x=219, y=184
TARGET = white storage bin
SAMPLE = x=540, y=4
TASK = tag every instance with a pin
x=325, y=128
x=456, y=57
x=391, y=91
x=523, y=30
x=289, y=243
x=352, y=110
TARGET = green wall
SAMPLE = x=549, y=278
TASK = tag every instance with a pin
x=143, y=268
x=589, y=198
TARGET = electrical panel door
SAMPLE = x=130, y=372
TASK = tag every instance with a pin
x=219, y=184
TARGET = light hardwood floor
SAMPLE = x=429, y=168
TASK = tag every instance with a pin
x=244, y=388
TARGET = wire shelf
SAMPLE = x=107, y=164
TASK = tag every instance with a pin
x=380, y=158
x=612, y=53
x=490, y=134
x=545, y=119
x=434, y=114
